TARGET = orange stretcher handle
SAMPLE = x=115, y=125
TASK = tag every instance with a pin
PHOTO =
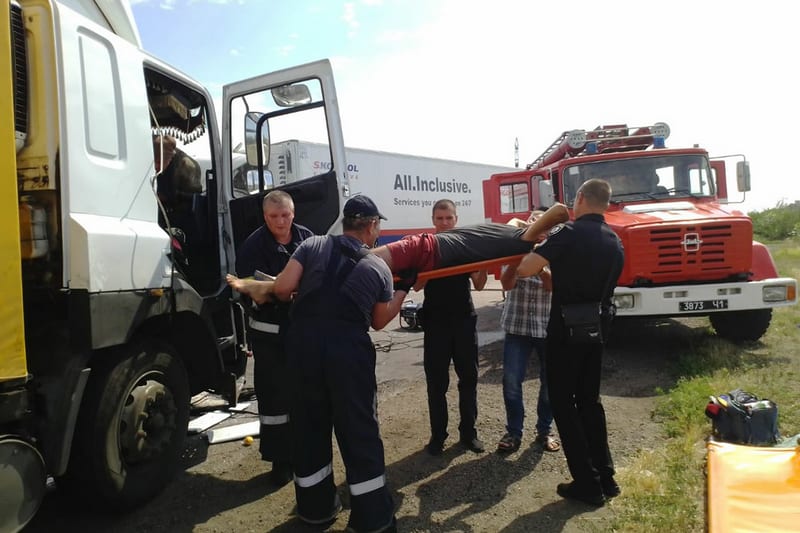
x=469, y=267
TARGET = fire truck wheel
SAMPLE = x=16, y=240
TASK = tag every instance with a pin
x=741, y=326
x=131, y=427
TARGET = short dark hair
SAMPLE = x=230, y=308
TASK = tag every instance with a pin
x=357, y=223
x=277, y=197
x=444, y=203
x=597, y=193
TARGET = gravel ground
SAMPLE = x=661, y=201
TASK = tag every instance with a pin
x=225, y=486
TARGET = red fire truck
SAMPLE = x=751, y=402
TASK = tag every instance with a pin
x=687, y=252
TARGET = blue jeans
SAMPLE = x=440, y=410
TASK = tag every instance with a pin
x=516, y=350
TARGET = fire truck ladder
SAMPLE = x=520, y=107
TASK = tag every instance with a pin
x=575, y=139
x=616, y=138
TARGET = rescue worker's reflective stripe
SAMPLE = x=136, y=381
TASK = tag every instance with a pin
x=276, y=420
x=368, y=486
x=265, y=327
x=316, y=477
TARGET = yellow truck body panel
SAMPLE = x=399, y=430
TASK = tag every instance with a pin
x=12, y=329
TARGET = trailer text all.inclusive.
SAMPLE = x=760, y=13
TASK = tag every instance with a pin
x=404, y=187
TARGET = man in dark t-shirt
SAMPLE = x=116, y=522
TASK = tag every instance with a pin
x=451, y=335
x=470, y=244
x=341, y=290
x=178, y=178
x=457, y=246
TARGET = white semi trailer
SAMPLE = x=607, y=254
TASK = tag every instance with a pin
x=403, y=186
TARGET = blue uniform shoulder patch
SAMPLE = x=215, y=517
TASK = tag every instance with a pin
x=555, y=229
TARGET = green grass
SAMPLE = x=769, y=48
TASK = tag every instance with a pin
x=779, y=222
x=664, y=489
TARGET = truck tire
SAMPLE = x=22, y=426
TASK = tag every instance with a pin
x=741, y=326
x=131, y=427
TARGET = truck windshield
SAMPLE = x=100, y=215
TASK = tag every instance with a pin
x=645, y=178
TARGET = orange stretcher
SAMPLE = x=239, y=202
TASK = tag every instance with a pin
x=753, y=488
x=489, y=264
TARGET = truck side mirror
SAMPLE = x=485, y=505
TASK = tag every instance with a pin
x=546, y=196
x=743, y=176
x=256, y=138
x=291, y=95
x=253, y=183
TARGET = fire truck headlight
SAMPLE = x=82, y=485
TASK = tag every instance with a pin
x=775, y=293
x=624, y=301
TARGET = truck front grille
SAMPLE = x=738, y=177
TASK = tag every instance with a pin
x=691, y=252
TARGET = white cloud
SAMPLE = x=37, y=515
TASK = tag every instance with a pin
x=470, y=80
x=466, y=80
x=391, y=36
x=285, y=50
x=217, y=2
x=350, y=19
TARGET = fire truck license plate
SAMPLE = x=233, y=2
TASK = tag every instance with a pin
x=703, y=305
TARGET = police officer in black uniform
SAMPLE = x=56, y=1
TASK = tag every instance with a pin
x=586, y=258
x=451, y=334
x=341, y=291
x=267, y=250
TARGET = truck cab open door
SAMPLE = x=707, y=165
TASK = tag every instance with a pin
x=258, y=114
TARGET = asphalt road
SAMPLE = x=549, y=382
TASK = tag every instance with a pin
x=400, y=350
x=223, y=487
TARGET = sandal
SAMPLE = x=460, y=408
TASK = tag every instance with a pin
x=548, y=442
x=509, y=443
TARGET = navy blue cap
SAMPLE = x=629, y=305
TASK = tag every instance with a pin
x=361, y=206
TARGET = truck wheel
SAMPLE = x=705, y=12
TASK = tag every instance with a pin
x=740, y=326
x=131, y=427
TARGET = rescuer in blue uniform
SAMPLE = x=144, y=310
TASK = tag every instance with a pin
x=342, y=290
x=586, y=259
x=267, y=250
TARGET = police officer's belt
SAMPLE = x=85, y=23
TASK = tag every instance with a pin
x=265, y=327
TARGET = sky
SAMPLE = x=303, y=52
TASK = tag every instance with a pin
x=459, y=79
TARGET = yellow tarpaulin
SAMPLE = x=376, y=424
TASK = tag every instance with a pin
x=12, y=332
x=753, y=489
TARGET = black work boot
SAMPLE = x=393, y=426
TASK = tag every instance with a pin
x=281, y=473
x=587, y=494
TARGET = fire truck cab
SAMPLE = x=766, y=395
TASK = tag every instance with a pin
x=687, y=253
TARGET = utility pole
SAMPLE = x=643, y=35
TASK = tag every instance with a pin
x=516, y=152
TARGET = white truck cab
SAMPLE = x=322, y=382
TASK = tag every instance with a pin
x=115, y=305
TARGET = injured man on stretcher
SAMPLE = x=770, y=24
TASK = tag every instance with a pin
x=426, y=252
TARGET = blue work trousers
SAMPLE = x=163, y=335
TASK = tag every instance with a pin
x=273, y=391
x=516, y=353
x=332, y=364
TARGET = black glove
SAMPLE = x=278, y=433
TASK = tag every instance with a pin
x=407, y=279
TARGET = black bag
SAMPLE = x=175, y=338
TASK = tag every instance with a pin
x=411, y=315
x=583, y=323
x=742, y=418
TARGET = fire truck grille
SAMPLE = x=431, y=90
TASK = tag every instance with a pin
x=691, y=252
